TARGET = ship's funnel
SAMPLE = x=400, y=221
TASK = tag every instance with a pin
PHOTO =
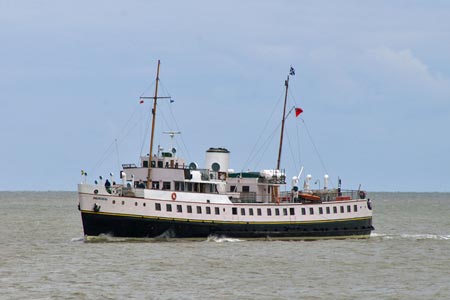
x=217, y=159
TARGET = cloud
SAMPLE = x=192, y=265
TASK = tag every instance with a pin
x=401, y=74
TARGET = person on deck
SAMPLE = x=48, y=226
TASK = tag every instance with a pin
x=108, y=186
x=141, y=185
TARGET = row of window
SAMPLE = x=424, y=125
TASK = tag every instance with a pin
x=189, y=210
x=185, y=187
x=255, y=211
x=291, y=210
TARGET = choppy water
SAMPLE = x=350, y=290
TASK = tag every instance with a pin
x=43, y=256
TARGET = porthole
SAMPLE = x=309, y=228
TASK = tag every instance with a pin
x=143, y=204
x=123, y=202
x=114, y=202
x=135, y=203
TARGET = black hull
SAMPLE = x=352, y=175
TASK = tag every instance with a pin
x=95, y=224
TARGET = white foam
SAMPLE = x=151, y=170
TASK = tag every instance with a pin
x=374, y=234
x=425, y=236
x=78, y=239
x=222, y=239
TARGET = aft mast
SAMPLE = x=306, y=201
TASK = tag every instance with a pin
x=286, y=83
x=149, y=179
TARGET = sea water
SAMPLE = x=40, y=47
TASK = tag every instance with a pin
x=43, y=255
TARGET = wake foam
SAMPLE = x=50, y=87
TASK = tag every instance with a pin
x=168, y=234
x=222, y=239
x=113, y=239
x=410, y=236
x=77, y=239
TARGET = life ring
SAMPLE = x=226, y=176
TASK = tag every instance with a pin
x=174, y=196
x=362, y=194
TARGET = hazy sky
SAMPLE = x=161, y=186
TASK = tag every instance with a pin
x=373, y=79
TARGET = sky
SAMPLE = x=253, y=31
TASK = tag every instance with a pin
x=373, y=79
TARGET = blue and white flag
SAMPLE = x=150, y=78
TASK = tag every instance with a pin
x=292, y=71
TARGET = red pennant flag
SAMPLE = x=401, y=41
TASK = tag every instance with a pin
x=298, y=111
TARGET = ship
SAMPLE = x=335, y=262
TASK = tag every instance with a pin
x=166, y=197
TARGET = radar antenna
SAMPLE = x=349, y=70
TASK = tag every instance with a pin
x=172, y=135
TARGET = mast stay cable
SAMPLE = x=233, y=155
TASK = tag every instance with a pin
x=119, y=139
x=253, y=154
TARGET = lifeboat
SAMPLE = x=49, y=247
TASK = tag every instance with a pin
x=310, y=197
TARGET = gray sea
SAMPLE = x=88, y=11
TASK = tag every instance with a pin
x=43, y=256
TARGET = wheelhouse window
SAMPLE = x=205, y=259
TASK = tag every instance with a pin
x=277, y=211
x=259, y=212
x=269, y=212
x=189, y=209
x=234, y=210
x=199, y=209
x=243, y=211
x=179, y=208
x=250, y=211
x=328, y=210
x=311, y=210
x=208, y=210
x=232, y=188
x=285, y=212
x=179, y=186
x=245, y=189
x=303, y=211
x=291, y=211
x=334, y=209
x=216, y=210
x=355, y=208
x=166, y=185
x=320, y=211
x=349, y=208
x=168, y=207
x=342, y=209
x=157, y=206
